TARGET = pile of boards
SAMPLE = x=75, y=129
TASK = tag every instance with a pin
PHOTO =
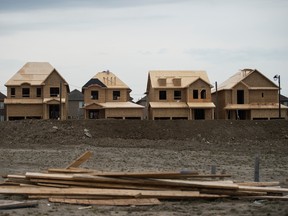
x=91, y=187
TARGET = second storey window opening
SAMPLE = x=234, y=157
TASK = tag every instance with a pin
x=195, y=94
x=39, y=92
x=94, y=95
x=12, y=92
x=177, y=95
x=203, y=94
x=162, y=95
x=54, y=92
x=116, y=95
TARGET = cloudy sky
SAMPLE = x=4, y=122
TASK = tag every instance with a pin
x=131, y=37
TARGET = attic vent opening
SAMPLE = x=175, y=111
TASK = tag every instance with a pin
x=162, y=81
x=177, y=81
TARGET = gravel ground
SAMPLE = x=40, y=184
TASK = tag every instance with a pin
x=150, y=146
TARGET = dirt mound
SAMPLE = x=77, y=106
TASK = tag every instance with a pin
x=49, y=132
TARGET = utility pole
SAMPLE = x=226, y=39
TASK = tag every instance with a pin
x=277, y=77
x=60, y=103
x=217, y=105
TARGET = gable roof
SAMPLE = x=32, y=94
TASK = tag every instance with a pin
x=283, y=98
x=187, y=77
x=239, y=77
x=94, y=81
x=110, y=80
x=33, y=73
x=75, y=95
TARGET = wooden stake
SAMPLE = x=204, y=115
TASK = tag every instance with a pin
x=80, y=160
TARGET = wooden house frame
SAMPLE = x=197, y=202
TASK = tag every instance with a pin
x=248, y=95
x=36, y=91
x=108, y=97
x=179, y=95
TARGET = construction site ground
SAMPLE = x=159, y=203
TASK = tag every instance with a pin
x=134, y=145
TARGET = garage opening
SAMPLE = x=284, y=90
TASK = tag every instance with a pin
x=199, y=114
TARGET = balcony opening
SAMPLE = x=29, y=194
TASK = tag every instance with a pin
x=25, y=92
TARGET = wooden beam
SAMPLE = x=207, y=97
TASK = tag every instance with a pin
x=98, y=192
x=263, y=189
x=259, y=184
x=80, y=160
x=11, y=204
x=37, y=175
x=111, y=202
x=95, y=184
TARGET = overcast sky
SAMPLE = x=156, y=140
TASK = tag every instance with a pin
x=131, y=37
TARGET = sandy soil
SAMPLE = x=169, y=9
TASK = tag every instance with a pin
x=150, y=146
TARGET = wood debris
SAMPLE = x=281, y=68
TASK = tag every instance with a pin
x=76, y=185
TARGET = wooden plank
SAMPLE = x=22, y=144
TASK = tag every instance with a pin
x=80, y=160
x=230, y=192
x=15, y=176
x=111, y=202
x=202, y=184
x=156, y=182
x=285, y=198
x=263, y=189
x=259, y=184
x=35, y=175
x=96, y=191
x=70, y=170
x=11, y=204
x=169, y=175
x=72, y=197
x=96, y=185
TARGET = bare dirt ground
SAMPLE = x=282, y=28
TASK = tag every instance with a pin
x=150, y=146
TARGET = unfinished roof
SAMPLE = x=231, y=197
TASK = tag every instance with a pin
x=110, y=80
x=176, y=78
x=94, y=81
x=238, y=77
x=33, y=73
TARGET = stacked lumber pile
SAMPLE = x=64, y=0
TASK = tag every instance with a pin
x=91, y=187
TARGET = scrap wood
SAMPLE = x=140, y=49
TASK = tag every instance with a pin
x=259, y=184
x=11, y=204
x=74, y=197
x=263, y=189
x=80, y=160
x=284, y=198
x=38, y=175
x=97, y=191
x=70, y=170
x=95, y=184
x=111, y=202
x=231, y=193
x=201, y=184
